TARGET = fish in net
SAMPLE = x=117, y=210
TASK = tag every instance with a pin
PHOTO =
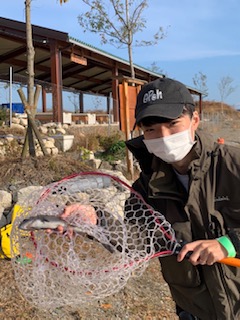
x=110, y=236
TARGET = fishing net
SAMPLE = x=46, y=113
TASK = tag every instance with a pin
x=115, y=234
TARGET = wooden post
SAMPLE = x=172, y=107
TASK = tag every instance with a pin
x=115, y=94
x=32, y=128
x=44, y=100
x=56, y=79
x=81, y=107
x=127, y=128
x=36, y=97
x=36, y=131
x=128, y=92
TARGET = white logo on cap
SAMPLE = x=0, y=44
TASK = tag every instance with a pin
x=151, y=95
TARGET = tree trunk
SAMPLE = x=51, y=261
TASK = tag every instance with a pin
x=131, y=60
x=129, y=41
x=30, y=55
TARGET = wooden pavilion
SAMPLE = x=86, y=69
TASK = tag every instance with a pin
x=64, y=61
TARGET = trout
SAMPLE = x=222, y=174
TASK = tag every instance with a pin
x=44, y=222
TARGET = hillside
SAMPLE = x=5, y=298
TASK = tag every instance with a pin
x=214, y=107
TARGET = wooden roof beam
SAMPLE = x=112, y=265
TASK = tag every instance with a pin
x=12, y=54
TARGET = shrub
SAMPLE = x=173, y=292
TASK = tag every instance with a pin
x=107, y=141
x=3, y=116
x=115, y=151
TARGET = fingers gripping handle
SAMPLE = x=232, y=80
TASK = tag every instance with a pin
x=179, y=248
x=234, y=262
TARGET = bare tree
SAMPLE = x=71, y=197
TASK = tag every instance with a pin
x=155, y=68
x=117, y=22
x=225, y=88
x=30, y=103
x=30, y=54
x=200, y=82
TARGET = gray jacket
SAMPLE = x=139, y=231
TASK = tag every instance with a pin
x=210, y=209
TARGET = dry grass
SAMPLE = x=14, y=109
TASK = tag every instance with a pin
x=88, y=136
x=17, y=173
x=213, y=107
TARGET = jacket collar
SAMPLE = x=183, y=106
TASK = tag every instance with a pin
x=163, y=181
x=204, y=150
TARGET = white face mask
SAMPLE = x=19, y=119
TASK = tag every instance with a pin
x=171, y=148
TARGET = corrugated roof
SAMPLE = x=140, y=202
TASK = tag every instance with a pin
x=112, y=56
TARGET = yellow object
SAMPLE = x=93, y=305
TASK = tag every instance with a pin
x=5, y=233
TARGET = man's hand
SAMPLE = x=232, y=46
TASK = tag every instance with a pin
x=203, y=252
x=83, y=212
x=79, y=213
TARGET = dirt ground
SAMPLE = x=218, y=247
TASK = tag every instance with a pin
x=143, y=298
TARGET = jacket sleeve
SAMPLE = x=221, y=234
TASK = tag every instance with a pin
x=228, y=190
x=234, y=235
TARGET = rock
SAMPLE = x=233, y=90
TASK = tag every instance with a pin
x=25, y=192
x=5, y=199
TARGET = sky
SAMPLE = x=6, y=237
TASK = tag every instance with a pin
x=201, y=37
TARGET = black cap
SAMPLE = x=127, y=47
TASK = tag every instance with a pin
x=163, y=98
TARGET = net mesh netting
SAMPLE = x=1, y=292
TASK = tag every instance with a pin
x=54, y=270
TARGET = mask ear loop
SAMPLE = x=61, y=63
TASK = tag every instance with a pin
x=191, y=124
x=192, y=135
x=190, y=131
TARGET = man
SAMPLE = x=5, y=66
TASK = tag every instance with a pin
x=194, y=182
